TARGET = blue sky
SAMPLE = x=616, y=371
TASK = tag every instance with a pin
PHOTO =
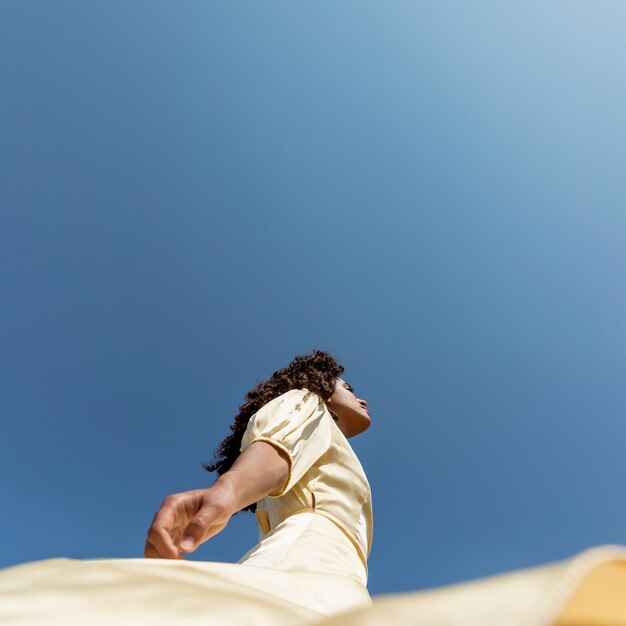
x=192, y=193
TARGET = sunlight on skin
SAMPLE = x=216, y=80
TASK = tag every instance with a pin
x=350, y=412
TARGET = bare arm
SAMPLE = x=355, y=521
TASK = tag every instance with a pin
x=260, y=469
x=187, y=519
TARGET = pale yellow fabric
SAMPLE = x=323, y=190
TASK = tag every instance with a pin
x=537, y=596
x=325, y=474
x=600, y=600
x=311, y=543
x=133, y=592
x=304, y=570
x=155, y=592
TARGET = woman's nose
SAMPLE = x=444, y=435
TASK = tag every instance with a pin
x=363, y=403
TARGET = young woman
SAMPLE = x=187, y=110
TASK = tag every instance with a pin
x=288, y=460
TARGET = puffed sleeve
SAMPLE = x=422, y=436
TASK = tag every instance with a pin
x=297, y=423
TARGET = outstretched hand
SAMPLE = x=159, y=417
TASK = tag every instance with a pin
x=187, y=519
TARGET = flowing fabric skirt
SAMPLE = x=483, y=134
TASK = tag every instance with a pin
x=588, y=589
x=302, y=571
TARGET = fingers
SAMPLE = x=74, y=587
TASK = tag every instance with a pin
x=150, y=552
x=160, y=544
x=194, y=517
x=204, y=524
x=196, y=530
x=159, y=535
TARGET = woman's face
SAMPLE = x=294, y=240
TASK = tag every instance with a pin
x=353, y=415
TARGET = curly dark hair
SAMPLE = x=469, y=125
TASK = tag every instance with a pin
x=316, y=372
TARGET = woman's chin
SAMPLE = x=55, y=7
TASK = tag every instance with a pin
x=360, y=424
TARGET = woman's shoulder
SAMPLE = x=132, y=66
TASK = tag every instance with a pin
x=295, y=396
x=295, y=406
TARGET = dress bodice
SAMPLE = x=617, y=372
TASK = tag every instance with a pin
x=325, y=475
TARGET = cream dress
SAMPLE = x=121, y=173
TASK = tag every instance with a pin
x=310, y=564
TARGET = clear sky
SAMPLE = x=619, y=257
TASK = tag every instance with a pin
x=192, y=193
